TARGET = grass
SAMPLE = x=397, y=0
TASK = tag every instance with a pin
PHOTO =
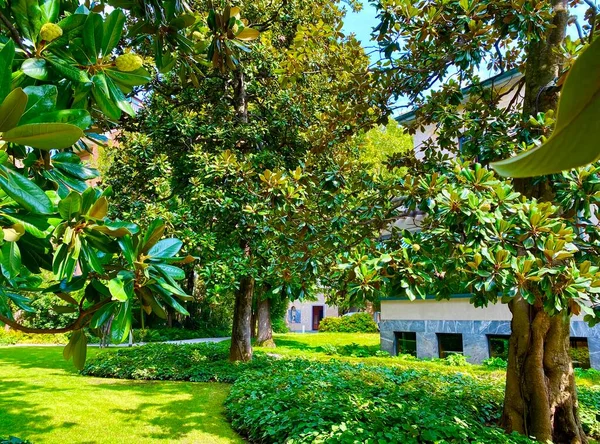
x=44, y=400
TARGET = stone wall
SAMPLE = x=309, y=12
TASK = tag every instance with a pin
x=475, y=341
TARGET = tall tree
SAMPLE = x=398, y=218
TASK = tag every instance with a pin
x=530, y=243
x=204, y=154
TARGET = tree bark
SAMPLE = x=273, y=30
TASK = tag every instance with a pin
x=540, y=398
x=265, y=328
x=241, y=341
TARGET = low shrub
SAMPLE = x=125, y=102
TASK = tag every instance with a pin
x=456, y=360
x=495, y=363
x=202, y=362
x=12, y=337
x=303, y=401
x=279, y=326
x=356, y=323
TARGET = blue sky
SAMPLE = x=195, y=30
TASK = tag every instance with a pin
x=361, y=23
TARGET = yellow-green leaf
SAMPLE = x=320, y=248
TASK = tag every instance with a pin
x=12, y=108
x=45, y=136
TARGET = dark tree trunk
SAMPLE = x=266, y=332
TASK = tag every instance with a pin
x=541, y=398
x=265, y=328
x=241, y=341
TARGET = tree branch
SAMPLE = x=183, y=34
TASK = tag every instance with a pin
x=14, y=33
x=79, y=323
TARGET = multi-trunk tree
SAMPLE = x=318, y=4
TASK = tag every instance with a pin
x=533, y=243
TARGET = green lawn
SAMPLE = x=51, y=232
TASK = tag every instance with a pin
x=43, y=399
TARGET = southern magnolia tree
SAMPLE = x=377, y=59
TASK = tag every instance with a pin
x=64, y=75
x=532, y=244
x=205, y=157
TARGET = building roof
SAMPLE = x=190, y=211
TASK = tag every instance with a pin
x=497, y=80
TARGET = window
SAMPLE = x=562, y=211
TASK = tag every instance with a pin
x=580, y=353
x=406, y=343
x=498, y=345
x=450, y=343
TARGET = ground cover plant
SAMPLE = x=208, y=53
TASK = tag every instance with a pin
x=353, y=395
x=44, y=400
x=202, y=362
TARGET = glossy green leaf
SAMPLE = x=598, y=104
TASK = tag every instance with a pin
x=113, y=29
x=103, y=315
x=126, y=245
x=36, y=69
x=70, y=206
x=71, y=164
x=153, y=234
x=7, y=55
x=50, y=10
x=78, y=117
x=28, y=16
x=165, y=248
x=12, y=109
x=129, y=79
x=22, y=302
x=45, y=136
x=68, y=71
x=101, y=95
x=574, y=141
x=121, y=287
x=40, y=100
x=11, y=260
x=37, y=226
x=25, y=192
x=121, y=324
x=119, y=98
x=92, y=35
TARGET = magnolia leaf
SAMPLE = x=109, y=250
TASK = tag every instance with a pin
x=121, y=287
x=25, y=192
x=36, y=69
x=76, y=349
x=12, y=109
x=45, y=136
x=166, y=248
x=574, y=141
x=100, y=209
x=113, y=29
x=70, y=206
x=7, y=54
x=247, y=34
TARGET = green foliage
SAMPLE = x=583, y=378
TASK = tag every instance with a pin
x=176, y=334
x=202, y=362
x=495, y=363
x=280, y=326
x=337, y=402
x=13, y=440
x=12, y=337
x=456, y=360
x=356, y=323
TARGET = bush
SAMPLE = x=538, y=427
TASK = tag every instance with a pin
x=12, y=337
x=456, y=360
x=279, y=326
x=202, y=362
x=13, y=440
x=356, y=323
x=495, y=363
x=305, y=401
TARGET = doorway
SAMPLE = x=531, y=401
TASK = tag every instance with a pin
x=318, y=312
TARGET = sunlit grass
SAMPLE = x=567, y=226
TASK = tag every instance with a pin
x=44, y=400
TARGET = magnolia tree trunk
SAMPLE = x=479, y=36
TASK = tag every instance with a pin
x=540, y=399
x=241, y=341
x=265, y=328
